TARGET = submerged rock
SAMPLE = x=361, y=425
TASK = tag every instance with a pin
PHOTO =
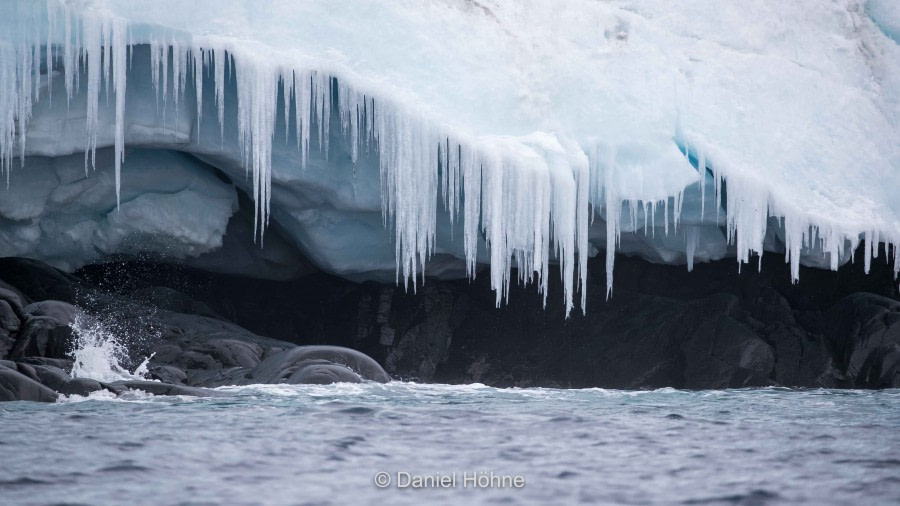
x=323, y=374
x=158, y=388
x=319, y=364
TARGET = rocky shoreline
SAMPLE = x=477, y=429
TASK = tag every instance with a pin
x=190, y=353
x=713, y=328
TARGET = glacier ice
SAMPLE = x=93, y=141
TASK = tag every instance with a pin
x=383, y=136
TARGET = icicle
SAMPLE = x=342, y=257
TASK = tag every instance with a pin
x=793, y=241
x=867, y=252
x=648, y=209
x=717, y=183
x=666, y=216
x=219, y=79
x=582, y=218
x=69, y=58
x=303, y=101
x=119, y=68
x=51, y=26
x=197, y=69
x=92, y=31
x=701, y=170
x=470, y=170
x=131, y=47
x=155, y=57
x=164, y=60
x=529, y=202
x=613, y=209
x=25, y=97
x=106, y=54
x=287, y=91
x=178, y=75
x=679, y=202
x=691, y=241
x=896, y=247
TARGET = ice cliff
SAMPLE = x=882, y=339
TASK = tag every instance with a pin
x=394, y=140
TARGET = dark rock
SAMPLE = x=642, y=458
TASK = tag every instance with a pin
x=713, y=328
x=864, y=332
x=46, y=331
x=11, y=314
x=115, y=388
x=80, y=386
x=44, y=336
x=156, y=388
x=281, y=366
x=213, y=378
x=14, y=298
x=201, y=351
x=231, y=352
x=722, y=353
x=167, y=374
x=52, y=377
x=323, y=374
x=173, y=300
x=60, y=363
x=881, y=368
x=39, y=281
x=15, y=386
x=62, y=312
x=425, y=334
x=7, y=343
x=28, y=371
x=9, y=320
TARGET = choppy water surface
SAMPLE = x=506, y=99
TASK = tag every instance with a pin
x=278, y=444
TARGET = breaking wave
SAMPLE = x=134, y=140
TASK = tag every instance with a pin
x=99, y=354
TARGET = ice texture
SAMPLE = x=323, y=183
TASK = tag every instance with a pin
x=430, y=138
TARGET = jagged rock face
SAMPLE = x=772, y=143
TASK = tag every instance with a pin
x=720, y=330
x=664, y=327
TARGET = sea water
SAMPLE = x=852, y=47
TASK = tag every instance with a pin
x=408, y=443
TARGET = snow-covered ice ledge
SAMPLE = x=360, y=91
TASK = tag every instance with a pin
x=545, y=130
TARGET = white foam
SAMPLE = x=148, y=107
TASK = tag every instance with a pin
x=98, y=352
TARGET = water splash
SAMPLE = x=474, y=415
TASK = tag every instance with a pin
x=99, y=354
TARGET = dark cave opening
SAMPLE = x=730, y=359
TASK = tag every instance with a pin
x=714, y=327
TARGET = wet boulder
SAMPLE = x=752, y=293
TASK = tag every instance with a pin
x=51, y=376
x=168, y=374
x=324, y=373
x=15, y=299
x=158, y=388
x=47, y=330
x=11, y=316
x=15, y=386
x=282, y=367
x=80, y=386
x=9, y=320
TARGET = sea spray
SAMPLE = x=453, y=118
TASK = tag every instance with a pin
x=99, y=354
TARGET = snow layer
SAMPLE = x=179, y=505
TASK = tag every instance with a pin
x=510, y=133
